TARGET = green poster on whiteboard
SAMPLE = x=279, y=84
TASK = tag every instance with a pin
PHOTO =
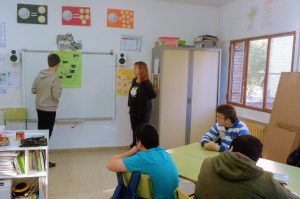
x=69, y=71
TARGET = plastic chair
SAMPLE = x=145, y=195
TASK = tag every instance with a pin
x=144, y=189
x=180, y=195
x=15, y=114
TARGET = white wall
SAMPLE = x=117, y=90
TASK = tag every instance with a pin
x=152, y=19
x=284, y=17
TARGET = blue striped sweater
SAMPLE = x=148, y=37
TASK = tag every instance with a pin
x=226, y=135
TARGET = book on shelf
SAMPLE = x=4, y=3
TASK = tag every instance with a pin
x=7, y=167
x=37, y=160
x=8, y=173
x=6, y=163
x=206, y=37
x=19, y=163
x=8, y=154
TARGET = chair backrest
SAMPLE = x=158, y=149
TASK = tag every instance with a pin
x=181, y=195
x=15, y=114
x=144, y=189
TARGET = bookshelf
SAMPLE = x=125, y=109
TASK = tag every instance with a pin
x=38, y=171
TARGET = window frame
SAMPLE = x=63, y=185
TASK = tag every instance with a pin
x=245, y=69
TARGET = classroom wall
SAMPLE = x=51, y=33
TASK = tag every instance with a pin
x=152, y=20
x=283, y=15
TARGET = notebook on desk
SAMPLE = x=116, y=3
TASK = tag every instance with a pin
x=186, y=186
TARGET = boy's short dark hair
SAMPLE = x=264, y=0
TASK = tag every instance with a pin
x=53, y=59
x=248, y=145
x=147, y=135
x=228, y=111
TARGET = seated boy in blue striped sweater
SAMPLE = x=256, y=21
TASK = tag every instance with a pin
x=227, y=128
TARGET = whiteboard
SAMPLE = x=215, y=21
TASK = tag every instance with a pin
x=94, y=100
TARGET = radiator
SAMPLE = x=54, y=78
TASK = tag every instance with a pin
x=255, y=128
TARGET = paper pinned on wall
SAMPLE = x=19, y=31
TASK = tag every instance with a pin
x=32, y=14
x=117, y=18
x=2, y=34
x=9, y=80
x=252, y=14
x=69, y=71
x=156, y=66
x=1, y=63
x=131, y=43
x=13, y=79
x=78, y=16
x=2, y=91
x=267, y=13
x=3, y=80
x=123, y=80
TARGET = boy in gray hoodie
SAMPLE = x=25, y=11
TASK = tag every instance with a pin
x=47, y=88
x=234, y=174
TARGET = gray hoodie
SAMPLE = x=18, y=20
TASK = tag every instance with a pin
x=235, y=176
x=47, y=88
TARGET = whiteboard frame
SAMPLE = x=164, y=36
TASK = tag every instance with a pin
x=66, y=120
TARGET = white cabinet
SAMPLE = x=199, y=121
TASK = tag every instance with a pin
x=187, y=82
x=30, y=175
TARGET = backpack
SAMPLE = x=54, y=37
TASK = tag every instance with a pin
x=294, y=158
x=129, y=192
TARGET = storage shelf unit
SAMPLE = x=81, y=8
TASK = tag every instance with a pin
x=41, y=175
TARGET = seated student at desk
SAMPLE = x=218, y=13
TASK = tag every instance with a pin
x=227, y=128
x=234, y=174
x=148, y=158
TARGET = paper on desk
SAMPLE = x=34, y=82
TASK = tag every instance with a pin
x=282, y=178
x=186, y=186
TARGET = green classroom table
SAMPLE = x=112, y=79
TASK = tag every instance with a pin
x=189, y=158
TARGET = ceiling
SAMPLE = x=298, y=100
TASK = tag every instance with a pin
x=201, y=2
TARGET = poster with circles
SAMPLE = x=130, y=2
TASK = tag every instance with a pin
x=32, y=14
x=76, y=16
x=120, y=18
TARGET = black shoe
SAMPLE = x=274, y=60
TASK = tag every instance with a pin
x=52, y=164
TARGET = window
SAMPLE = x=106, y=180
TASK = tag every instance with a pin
x=255, y=68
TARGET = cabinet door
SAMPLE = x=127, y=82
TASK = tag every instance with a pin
x=173, y=97
x=204, y=92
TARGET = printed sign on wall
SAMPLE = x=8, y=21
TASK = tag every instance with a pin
x=120, y=18
x=123, y=80
x=77, y=16
x=32, y=14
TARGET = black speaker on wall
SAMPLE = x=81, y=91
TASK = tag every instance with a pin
x=14, y=56
x=122, y=59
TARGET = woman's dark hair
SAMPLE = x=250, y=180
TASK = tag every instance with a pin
x=228, y=111
x=53, y=59
x=147, y=135
x=248, y=145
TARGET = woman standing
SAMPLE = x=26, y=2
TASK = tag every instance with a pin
x=139, y=99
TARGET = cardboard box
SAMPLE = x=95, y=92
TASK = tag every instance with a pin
x=283, y=133
x=287, y=100
x=279, y=143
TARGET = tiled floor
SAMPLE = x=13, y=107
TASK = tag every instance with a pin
x=81, y=175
